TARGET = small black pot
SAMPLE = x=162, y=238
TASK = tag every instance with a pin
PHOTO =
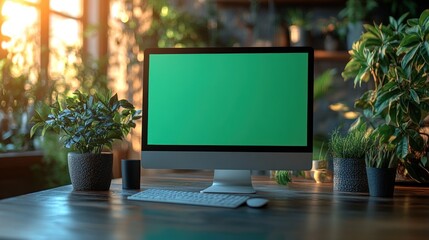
x=381, y=181
x=90, y=172
x=350, y=175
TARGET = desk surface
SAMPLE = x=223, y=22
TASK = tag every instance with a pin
x=302, y=210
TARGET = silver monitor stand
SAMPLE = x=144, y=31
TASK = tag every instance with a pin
x=231, y=181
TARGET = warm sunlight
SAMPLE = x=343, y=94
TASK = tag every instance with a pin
x=61, y=42
x=18, y=18
x=70, y=7
x=59, y=37
x=22, y=26
x=63, y=31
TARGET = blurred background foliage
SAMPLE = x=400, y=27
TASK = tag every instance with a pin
x=165, y=23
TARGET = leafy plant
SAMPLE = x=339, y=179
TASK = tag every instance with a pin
x=354, y=144
x=334, y=27
x=298, y=18
x=87, y=123
x=396, y=58
x=283, y=177
x=357, y=10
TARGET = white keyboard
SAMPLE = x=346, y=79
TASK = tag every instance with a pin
x=191, y=198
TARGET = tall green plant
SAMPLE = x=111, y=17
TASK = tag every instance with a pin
x=396, y=58
x=381, y=156
x=354, y=144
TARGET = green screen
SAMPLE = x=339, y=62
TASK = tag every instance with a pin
x=238, y=99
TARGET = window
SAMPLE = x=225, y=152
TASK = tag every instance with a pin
x=49, y=24
x=36, y=39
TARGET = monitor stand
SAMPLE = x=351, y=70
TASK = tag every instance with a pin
x=231, y=181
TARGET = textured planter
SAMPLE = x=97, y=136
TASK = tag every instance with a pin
x=381, y=181
x=350, y=175
x=90, y=172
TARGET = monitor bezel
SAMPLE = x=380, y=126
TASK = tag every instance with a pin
x=222, y=148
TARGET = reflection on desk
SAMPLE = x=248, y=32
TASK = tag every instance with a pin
x=303, y=210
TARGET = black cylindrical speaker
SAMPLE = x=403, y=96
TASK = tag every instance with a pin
x=130, y=174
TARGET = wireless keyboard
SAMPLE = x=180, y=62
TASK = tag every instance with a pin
x=191, y=198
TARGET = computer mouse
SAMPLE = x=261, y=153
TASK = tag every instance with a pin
x=256, y=202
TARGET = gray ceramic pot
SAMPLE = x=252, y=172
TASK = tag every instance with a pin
x=350, y=175
x=90, y=172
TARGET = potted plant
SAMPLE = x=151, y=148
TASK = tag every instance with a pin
x=348, y=152
x=87, y=124
x=298, y=27
x=333, y=31
x=355, y=13
x=395, y=57
x=381, y=162
x=282, y=177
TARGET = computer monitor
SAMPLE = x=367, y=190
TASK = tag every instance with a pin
x=228, y=109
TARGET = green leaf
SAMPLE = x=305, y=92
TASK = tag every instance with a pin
x=388, y=118
x=137, y=115
x=406, y=60
x=35, y=128
x=415, y=113
x=358, y=124
x=388, y=87
x=402, y=18
x=125, y=112
x=364, y=101
x=393, y=22
x=125, y=104
x=410, y=41
x=412, y=22
x=423, y=17
x=416, y=140
x=384, y=100
x=402, y=147
x=425, y=53
x=415, y=96
x=372, y=32
x=113, y=100
x=385, y=130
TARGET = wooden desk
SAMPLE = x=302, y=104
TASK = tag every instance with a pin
x=300, y=211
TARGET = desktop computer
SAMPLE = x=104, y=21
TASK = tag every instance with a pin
x=232, y=110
